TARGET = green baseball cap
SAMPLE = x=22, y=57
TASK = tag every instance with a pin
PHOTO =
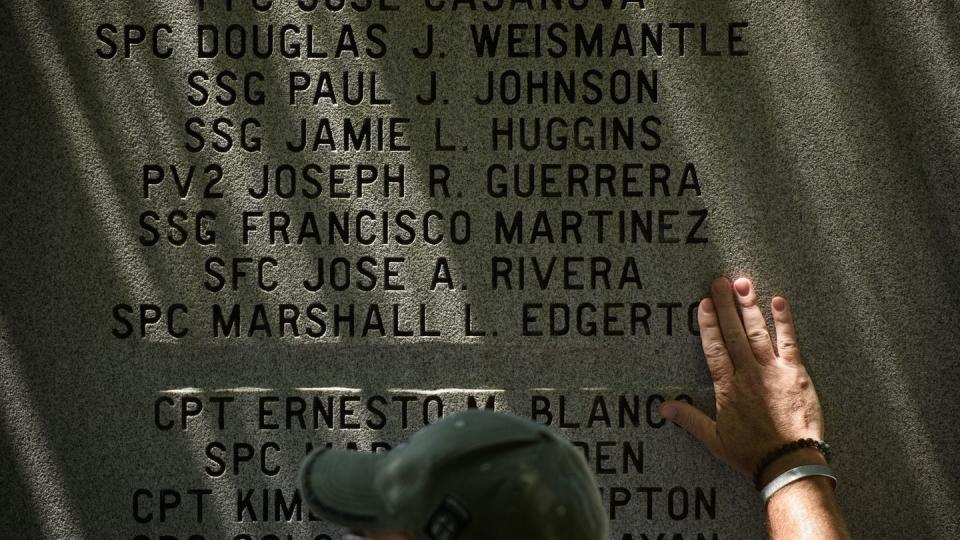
x=474, y=475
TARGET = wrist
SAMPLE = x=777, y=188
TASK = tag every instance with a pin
x=811, y=488
x=806, y=508
x=802, y=456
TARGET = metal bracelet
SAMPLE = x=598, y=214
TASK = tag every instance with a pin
x=795, y=474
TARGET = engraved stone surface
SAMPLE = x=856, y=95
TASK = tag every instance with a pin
x=232, y=231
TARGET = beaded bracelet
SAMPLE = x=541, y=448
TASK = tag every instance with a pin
x=822, y=446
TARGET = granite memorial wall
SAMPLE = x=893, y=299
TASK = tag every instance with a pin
x=233, y=231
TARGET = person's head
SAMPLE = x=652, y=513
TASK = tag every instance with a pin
x=473, y=475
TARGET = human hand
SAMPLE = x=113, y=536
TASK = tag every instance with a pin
x=765, y=397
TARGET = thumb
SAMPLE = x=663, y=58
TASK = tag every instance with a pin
x=694, y=422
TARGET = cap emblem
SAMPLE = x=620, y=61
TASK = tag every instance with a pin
x=448, y=520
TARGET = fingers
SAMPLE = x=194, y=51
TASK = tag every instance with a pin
x=786, y=332
x=730, y=324
x=714, y=349
x=694, y=422
x=754, y=324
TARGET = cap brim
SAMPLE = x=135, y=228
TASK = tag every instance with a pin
x=338, y=487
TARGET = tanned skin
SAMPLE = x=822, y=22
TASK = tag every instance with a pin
x=765, y=399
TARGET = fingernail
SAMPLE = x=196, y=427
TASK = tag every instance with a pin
x=707, y=305
x=667, y=411
x=779, y=304
x=742, y=286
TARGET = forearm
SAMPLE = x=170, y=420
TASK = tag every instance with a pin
x=766, y=403
x=806, y=509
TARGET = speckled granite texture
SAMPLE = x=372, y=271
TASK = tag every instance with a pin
x=827, y=164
